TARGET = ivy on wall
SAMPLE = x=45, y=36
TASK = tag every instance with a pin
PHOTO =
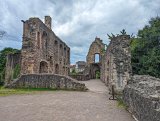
x=16, y=71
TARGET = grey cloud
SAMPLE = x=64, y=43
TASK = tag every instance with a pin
x=77, y=22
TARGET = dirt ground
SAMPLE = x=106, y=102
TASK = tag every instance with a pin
x=92, y=105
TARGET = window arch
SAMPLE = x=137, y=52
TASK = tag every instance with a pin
x=97, y=58
x=43, y=67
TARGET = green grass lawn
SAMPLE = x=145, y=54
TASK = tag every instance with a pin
x=6, y=91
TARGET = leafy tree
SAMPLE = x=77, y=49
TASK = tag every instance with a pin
x=145, y=49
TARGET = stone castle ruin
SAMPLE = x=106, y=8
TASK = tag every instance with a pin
x=44, y=62
x=96, y=47
x=42, y=53
x=93, y=65
x=114, y=63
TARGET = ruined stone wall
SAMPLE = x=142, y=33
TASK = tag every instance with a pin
x=12, y=60
x=142, y=97
x=95, y=48
x=104, y=68
x=116, y=69
x=92, y=67
x=52, y=81
x=42, y=51
x=80, y=77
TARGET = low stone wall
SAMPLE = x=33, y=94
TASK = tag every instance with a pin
x=80, y=77
x=46, y=81
x=142, y=96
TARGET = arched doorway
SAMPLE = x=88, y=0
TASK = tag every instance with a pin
x=56, y=69
x=43, y=67
x=97, y=74
x=94, y=71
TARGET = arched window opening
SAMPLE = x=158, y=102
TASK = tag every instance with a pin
x=97, y=58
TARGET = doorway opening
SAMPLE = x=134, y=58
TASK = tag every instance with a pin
x=56, y=69
x=43, y=67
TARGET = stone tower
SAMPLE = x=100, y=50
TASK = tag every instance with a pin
x=48, y=22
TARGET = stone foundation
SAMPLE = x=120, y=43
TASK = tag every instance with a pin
x=142, y=96
x=47, y=81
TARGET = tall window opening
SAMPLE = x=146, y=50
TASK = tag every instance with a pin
x=38, y=40
x=97, y=58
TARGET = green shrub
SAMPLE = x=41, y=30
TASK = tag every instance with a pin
x=97, y=74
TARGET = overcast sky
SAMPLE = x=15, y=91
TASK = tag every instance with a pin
x=76, y=22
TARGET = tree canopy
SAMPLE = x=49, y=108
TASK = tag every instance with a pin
x=145, y=49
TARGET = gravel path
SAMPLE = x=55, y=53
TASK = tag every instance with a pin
x=63, y=106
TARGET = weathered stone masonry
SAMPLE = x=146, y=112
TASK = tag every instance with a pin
x=142, y=96
x=116, y=63
x=95, y=48
x=44, y=59
x=92, y=67
x=42, y=51
x=51, y=81
x=12, y=61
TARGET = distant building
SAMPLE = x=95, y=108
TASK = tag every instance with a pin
x=80, y=66
x=72, y=67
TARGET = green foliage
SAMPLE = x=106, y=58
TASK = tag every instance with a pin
x=2, y=77
x=16, y=71
x=74, y=72
x=145, y=49
x=97, y=74
x=111, y=36
x=123, y=32
x=3, y=54
x=103, y=51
